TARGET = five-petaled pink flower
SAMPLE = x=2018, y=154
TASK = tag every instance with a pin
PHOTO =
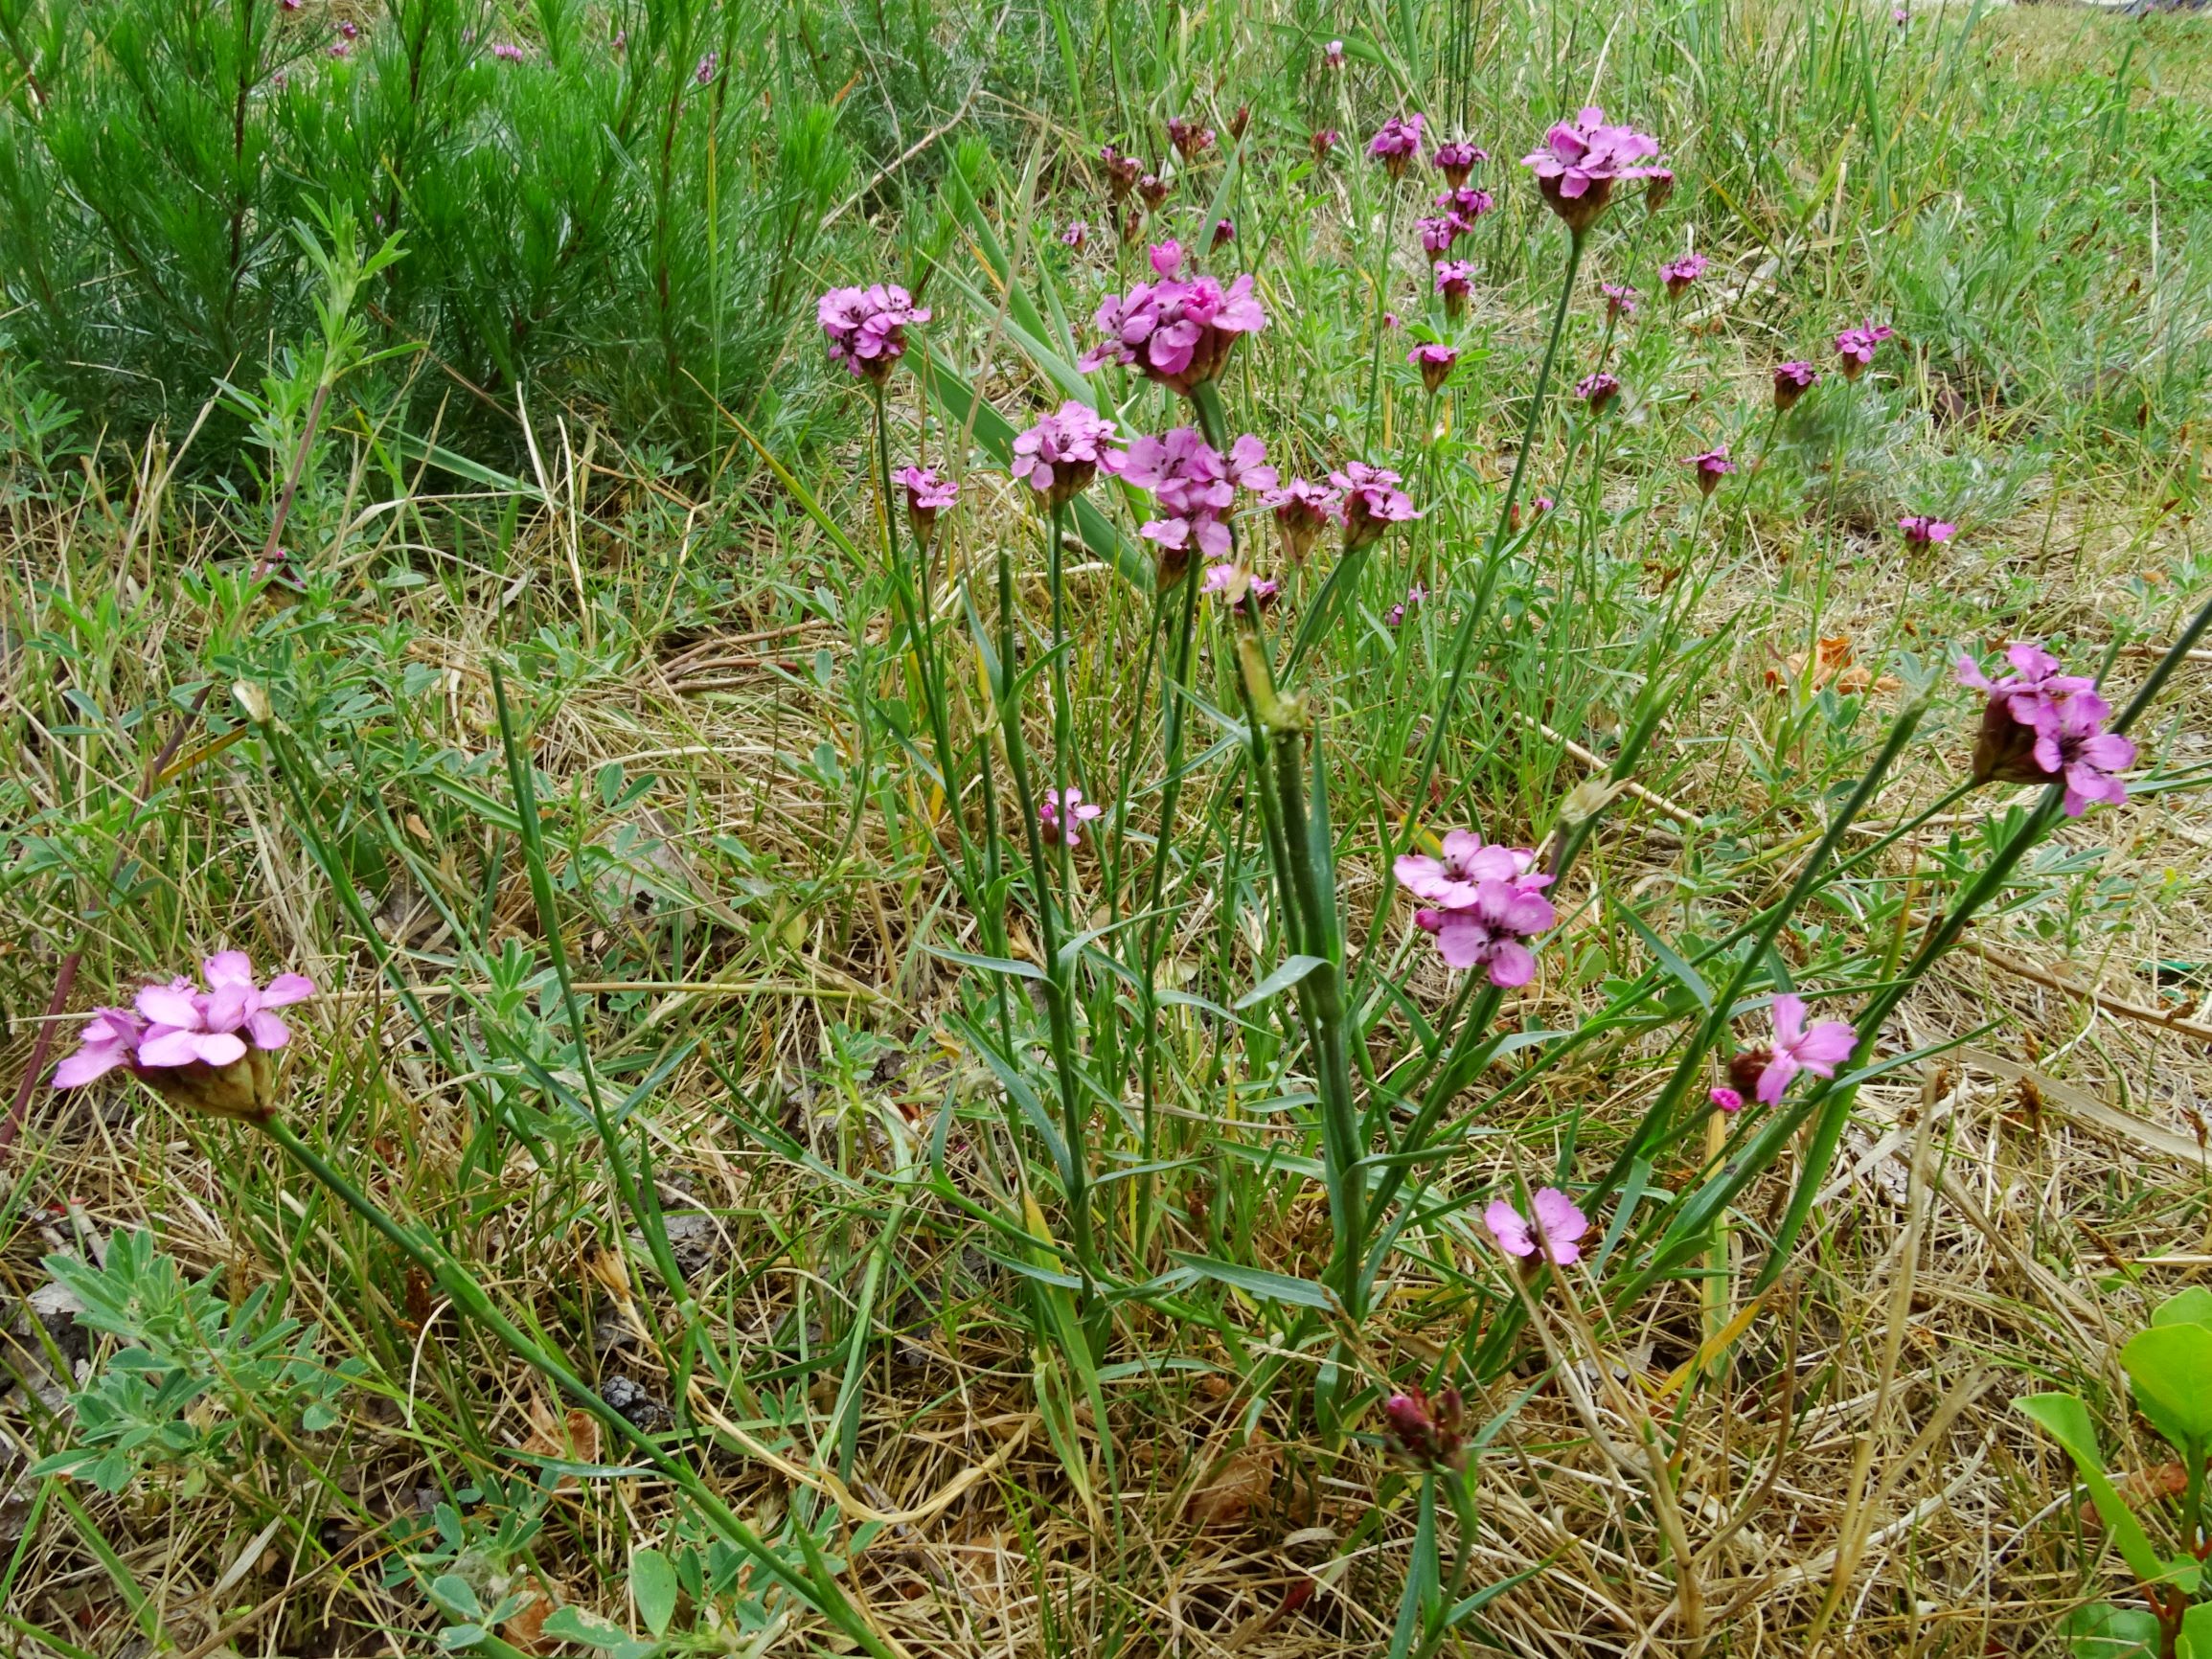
x=1791, y=381
x=1435, y=362
x=1855, y=347
x=1325, y=140
x=1621, y=300
x=1482, y=903
x=1582, y=160
x=1077, y=234
x=1396, y=614
x=1438, y=234
x=1795, y=1049
x=1178, y=333
x=1919, y=530
x=1711, y=467
x=2086, y=756
x=1059, y=456
x=2041, y=726
x=1395, y=143
x=1678, y=273
x=1079, y=812
x=1556, y=1230
x=1333, y=55
x=867, y=327
x=1465, y=202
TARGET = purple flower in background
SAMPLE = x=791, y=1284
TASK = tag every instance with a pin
x=1726, y=1099
x=867, y=327
x=708, y=64
x=1855, y=347
x=1188, y=137
x=1556, y=1229
x=1438, y=234
x=1659, y=186
x=349, y=29
x=1224, y=233
x=1121, y=171
x=1435, y=363
x=109, y=1039
x=1060, y=455
x=1678, y=273
x=1391, y=320
x=1373, y=503
x=1455, y=281
x=621, y=41
x=1920, y=531
x=1467, y=203
x=1582, y=160
x=341, y=48
x=1430, y=1437
x=1395, y=143
x=1396, y=614
x=1325, y=140
x=1301, y=508
x=510, y=52
x=926, y=496
x=1456, y=160
x=1077, y=234
x=1791, y=381
x=1483, y=903
x=1178, y=333
x=1333, y=55
x=1154, y=189
x=1598, y=389
x=1621, y=300
x=1077, y=813
x=1711, y=467
x=1795, y=1049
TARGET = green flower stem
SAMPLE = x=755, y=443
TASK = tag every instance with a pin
x=1057, y=1013
x=818, y=1590
x=1381, y=305
x=1062, y=715
x=1279, y=727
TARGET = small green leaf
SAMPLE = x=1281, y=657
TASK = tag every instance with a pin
x=1280, y=980
x=461, y=1636
x=2171, y=1369
x=574, y=1623
x=988, y=964
x=653, y=1580
x=457, y=1594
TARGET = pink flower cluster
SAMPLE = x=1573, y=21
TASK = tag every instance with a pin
x=179, y=1024
x=1598, y=389
x=1920, y=531
x=1855, y=347
x=867, y=327
x=1679, y=274
x=1583, y=159
x=1372, y=502
x=1621, y=300
x=1302, y=507
x=1194, y=486
x=926, y=496
x=1176, y=331
x=1456, y=159
x=1791, y=381
x=1395, y=143
x=1455, y=281
x=2041, y=726
x=1435, y=361
x=1483, y=905
x=1064, y=451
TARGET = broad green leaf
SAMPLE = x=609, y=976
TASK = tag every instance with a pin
x=2190, y=1307
x=2103, y=1631
x=574, y=1623
x=457, y=1594
x=653, y=1580
x=2066, y=1419
x=2195, y=1639
x=1280, y=980
x=2171, y=1369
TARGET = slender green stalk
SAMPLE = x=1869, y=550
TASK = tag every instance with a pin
x=1381, y=307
